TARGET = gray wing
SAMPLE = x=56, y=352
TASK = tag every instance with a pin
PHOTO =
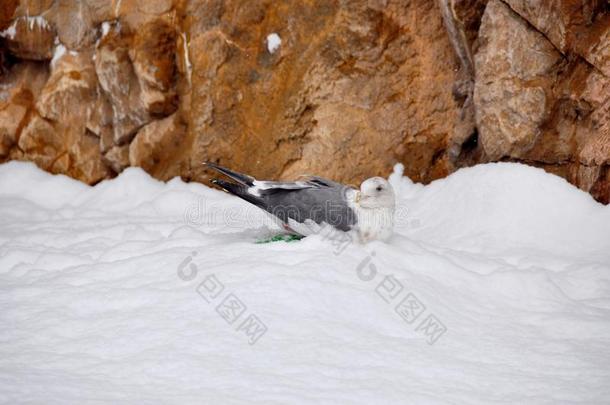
x=320, y=201
x=314, y=198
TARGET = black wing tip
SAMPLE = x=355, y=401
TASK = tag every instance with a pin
x=226, y=186
x=239, y=177
x=211, y=164
x=220, y=183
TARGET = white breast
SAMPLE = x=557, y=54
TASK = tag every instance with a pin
x=373, y=223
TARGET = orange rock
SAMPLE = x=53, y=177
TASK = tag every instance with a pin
x=70, y=90
x=159, y=148
x=40, y=143
x=30, y=38
x=154, y=60
x=276, y=89
x=33, y=7
x=75, y=24
x=120, y=85
x=87, y=164
x=515, y=70
x=349, y=92
x=7, y=11
x=117, y=158
x=139, y=84
x=536, y=105
x=11, y=120
x=17, y=97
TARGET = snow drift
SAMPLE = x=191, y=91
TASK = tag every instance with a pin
x=495, y=288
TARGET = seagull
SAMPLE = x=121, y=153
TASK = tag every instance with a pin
x=306, y=206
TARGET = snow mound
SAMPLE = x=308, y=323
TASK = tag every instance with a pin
x=494, y=289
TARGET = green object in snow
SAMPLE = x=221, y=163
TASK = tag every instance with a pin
x=281, y=238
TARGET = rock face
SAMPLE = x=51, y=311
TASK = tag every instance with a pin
x=349, y=92
x=344, y=89
x=544, y=102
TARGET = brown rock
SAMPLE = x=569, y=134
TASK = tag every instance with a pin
x=462, y=19
x=154, y=62
x=74, y=21
x=581, y=27
x=30, y=38
x=99, y=116
x=468, y=14
x=141, y=90
x=154, y=49
x=87, y=164
x=559, y=20
x=134, y=14
x=601, y=189
x=352, y=89
x=70, y=91
x=586, y=176
x=41, y=143
x=7, y=10
x=33, y=7
x=535, y=105
x=594, y=45
x=54, y=134
x=106, y=139
x=23, y=81
x=11, y=121
x=17, y=96
x=159, y=147
x=101, y=10
x=514, y=71
x=120, y=85
x=594, y=133
x=117, y=158
x=62, y=150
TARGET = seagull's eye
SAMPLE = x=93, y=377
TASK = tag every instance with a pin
x=379, y=188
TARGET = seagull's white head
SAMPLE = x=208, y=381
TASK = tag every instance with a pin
x=376, y=192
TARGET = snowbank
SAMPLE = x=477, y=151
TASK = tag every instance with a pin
x=495, y=288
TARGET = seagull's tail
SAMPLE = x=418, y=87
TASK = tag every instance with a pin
x=240, y=191
x=243, y=179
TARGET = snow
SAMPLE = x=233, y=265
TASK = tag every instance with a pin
x=494, y=289
x=32, y=22
x=105, y=28
x=60, y=50
x=37, y=21
x=273, y=42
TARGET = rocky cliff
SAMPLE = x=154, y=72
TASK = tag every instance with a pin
x=340, y=88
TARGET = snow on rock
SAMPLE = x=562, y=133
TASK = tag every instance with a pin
x=105, y=28
x=10, y=32
x=273, y=42
x=37, y=21
x=495, y=288
x=60, y=50
x=33, y=22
